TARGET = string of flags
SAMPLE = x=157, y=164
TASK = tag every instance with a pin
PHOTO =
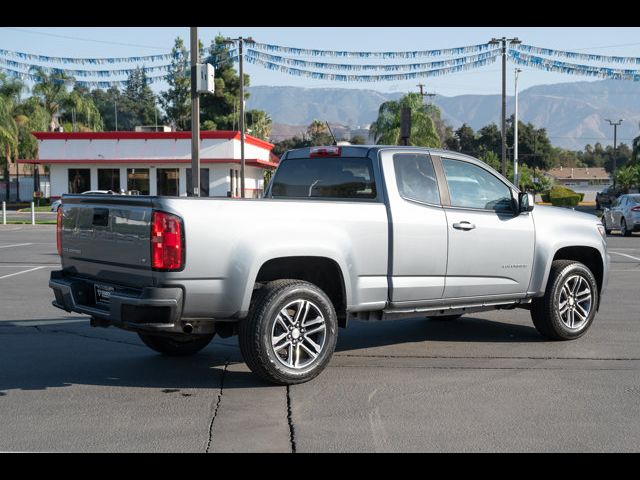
x=360, y=67
x=306, y=52
x=572, y=68
x=20, y=64
x=588, y=57
x=371, y=78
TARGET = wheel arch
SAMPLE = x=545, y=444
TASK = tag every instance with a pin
x=324, y=272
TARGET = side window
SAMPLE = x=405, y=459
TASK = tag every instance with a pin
x=474, y=187
x=416, y=177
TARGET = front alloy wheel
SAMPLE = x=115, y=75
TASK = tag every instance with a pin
x=568, y=307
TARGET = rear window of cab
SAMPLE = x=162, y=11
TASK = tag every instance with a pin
x=324, y=177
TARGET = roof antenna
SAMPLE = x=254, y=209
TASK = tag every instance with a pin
x=335, y=142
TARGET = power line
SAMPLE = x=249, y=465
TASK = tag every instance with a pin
x=85, y=39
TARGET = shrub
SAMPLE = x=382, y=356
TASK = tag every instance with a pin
x=564, y=197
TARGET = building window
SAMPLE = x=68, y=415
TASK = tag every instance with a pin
x=138, y=180
x=79, y=180
x=204, y=182
x=168, y=181
x=109, y=179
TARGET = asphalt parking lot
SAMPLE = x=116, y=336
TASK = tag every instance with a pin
x=487, y=382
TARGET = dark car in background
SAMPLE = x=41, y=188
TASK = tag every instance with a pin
x=607, y=196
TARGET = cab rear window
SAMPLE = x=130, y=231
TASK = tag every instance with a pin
x=331, y=177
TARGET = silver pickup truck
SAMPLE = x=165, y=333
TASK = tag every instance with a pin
x=348, y=232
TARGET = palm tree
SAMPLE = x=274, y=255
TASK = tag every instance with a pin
x=8, y=136
x=626, y=178
x=51, y=89
x=386, y=129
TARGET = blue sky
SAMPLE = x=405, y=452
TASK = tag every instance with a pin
x=130, y=41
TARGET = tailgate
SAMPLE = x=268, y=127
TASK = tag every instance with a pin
x=107, y=237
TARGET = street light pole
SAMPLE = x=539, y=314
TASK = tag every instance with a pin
x=195, y=117
x=115, y=111
x=503, y=41
x=615, y=138
x=515, y=132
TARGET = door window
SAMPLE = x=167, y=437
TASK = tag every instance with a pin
x=416, y=177
x=471, y=186
x=79, y=180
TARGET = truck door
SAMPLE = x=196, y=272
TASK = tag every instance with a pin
x=490, y=248
x=418, y=227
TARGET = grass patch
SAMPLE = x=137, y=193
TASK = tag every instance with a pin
x=37, y=209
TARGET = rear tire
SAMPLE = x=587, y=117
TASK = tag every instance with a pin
x=290, y=332
x=176, y=345
x=568, y=307
x=624, y=231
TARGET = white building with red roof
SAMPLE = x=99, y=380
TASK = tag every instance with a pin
x=152, y=163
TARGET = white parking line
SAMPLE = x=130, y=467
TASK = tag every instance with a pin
x=625, y=255
x=16, y=245
x=19, y=273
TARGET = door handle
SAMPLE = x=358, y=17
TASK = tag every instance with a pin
x=464, y=226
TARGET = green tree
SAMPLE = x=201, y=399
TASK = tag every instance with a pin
x=176, y=101
x=139, y=100
x=626, y=178
x=386, y=128
x=80, y=109
x=222, y=109
x=52, y=90
x=106, y=102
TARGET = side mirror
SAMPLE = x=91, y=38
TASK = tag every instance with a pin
x=526, y=202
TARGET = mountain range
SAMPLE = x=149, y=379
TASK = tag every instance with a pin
x=573, y=113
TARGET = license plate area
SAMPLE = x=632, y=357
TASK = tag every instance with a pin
x=103, y=294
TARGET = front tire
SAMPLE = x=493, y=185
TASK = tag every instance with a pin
x=176, y=345
x=568, y=307
x=290, y=332
x=624, y=230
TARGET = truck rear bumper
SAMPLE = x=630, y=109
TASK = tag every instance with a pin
x=148, y=309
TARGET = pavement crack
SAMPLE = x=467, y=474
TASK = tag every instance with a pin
x=292, y=431
x=217, y=406
x=48, y=330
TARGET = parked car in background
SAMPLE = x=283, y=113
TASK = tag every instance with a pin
x=55, y=205
x=624, y=215
x=606, y=197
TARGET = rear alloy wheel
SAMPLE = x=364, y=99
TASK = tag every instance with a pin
x=624, y=231
x=176, y=345
x=290, y=332
x=569, y=304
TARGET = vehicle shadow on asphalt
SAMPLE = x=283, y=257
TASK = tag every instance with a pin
x=77, y=355
x=360, y=335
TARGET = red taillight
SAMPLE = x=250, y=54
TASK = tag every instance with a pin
x=167, y=242
x=324, y=152
x=59, y=230
x=635, y=209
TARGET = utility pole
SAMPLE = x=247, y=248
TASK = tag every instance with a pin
x=515, y=132
x=241, y=41
x=503, y=41
x=425, y=94
x=195, y=117
x=615, y=144
x=115, y=110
